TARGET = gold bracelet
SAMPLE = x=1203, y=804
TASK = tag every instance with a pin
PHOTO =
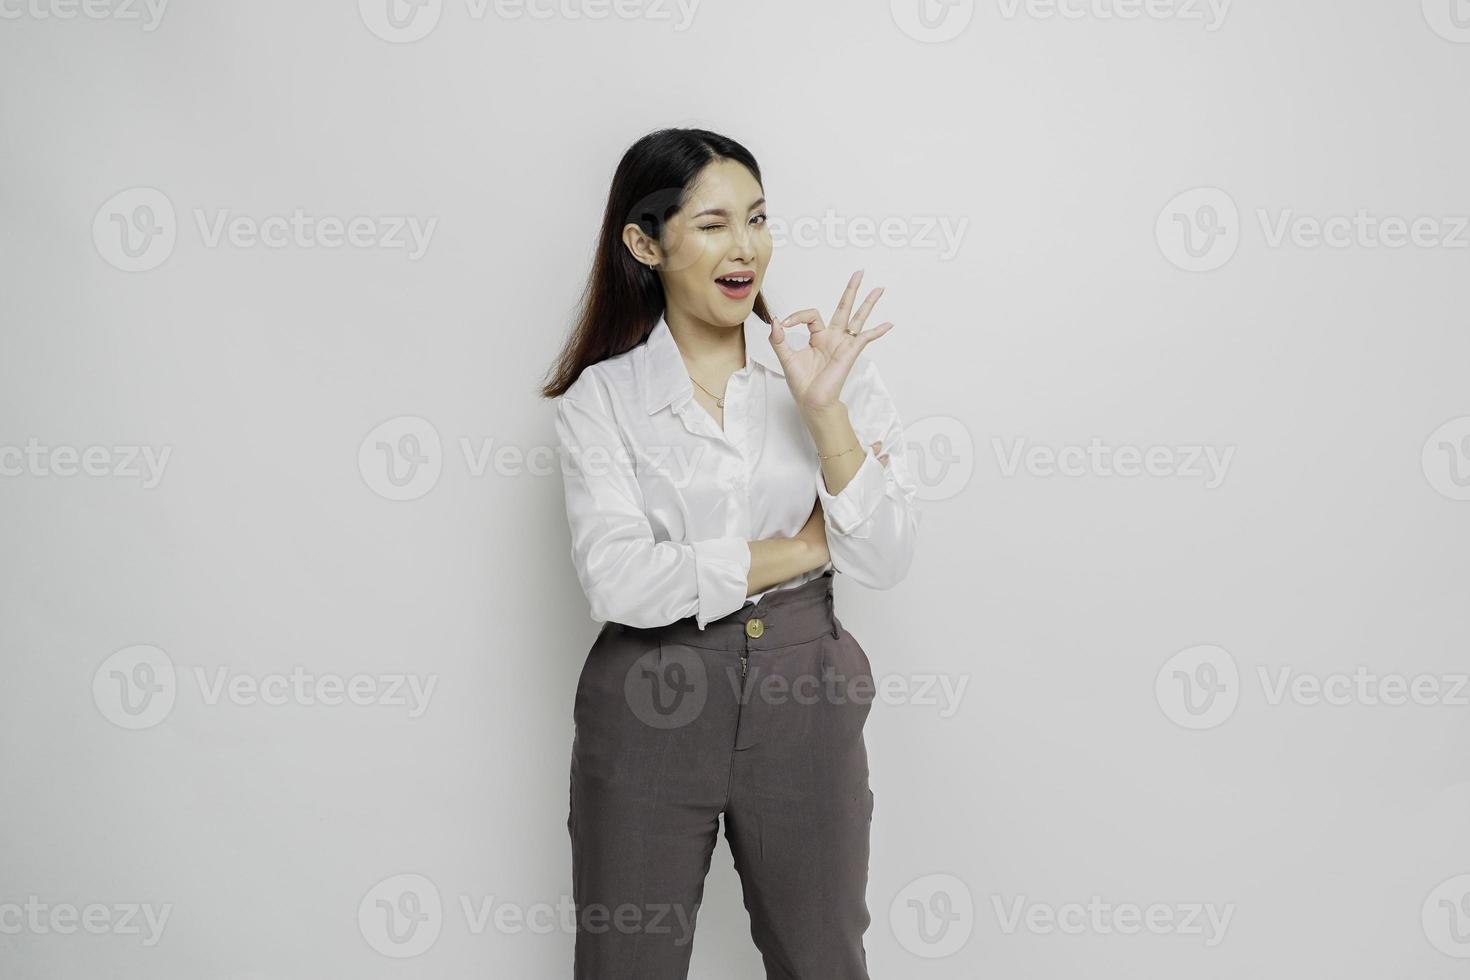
x=854, y=449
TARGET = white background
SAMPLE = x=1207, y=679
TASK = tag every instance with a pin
x=1070, y=311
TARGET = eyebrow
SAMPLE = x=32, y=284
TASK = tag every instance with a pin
x=725, y=214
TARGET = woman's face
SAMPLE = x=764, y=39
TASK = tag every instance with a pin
x=720, y=232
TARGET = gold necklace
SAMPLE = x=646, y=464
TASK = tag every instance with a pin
x=719, y=399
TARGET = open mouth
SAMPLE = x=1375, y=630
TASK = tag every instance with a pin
x=736, y=285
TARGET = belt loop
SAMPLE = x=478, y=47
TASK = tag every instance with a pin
x=831, y=614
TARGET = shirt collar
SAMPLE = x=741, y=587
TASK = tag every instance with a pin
x=663, y=376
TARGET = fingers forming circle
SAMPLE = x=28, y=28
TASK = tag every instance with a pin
x=811, y=318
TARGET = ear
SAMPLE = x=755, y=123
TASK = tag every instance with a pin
x=644, y=249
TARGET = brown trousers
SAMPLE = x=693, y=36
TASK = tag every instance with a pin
x=669, y=735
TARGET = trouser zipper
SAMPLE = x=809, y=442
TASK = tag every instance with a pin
x=743, y=662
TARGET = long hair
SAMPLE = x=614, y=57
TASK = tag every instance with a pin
x=624, y=298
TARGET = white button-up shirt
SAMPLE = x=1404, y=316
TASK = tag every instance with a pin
x=661, y=502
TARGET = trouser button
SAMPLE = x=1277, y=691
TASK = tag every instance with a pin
x=754, y=627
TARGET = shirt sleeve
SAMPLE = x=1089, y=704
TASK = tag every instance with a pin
x=628, y=577
x=873, y=523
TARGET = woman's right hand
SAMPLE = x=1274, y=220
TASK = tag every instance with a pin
x=781, y=558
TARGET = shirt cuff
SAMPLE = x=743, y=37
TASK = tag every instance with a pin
x=850, y=509
x=722, y=571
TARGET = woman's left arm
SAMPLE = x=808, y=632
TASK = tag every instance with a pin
x=870, y=503
x=869, y=497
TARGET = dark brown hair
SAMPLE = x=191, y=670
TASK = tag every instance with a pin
x=624, y=298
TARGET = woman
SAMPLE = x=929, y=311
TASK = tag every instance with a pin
x=718, y=473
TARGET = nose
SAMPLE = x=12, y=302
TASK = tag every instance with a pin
x=744, y=248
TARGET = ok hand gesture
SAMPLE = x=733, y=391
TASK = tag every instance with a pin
x=816, y=373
